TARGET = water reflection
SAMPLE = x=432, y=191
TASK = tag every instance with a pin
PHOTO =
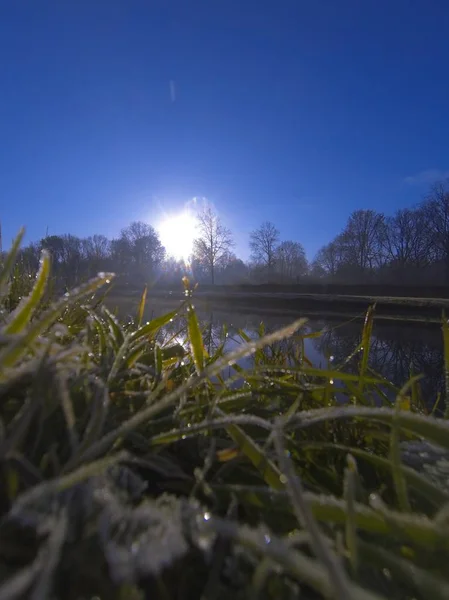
x=397, y=351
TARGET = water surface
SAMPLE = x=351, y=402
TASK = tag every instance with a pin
x=398, y=349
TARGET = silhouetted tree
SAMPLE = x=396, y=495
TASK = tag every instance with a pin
x=54, y=244
x=263, y=244
x=435, y=212
x=406, y=243
x=138, y=250
x=234, y=271
x=214, y=242
x=361, y=242
x=67, y=257
x=291, y=261
x=412, y=246
x=29, y=257
x=328, y=259
x=97, y=253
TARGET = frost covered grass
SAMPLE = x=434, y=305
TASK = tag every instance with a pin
x=135, y=464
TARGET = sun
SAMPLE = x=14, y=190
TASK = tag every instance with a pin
x=177, y=233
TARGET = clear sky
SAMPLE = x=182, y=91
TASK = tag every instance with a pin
x=292, y=111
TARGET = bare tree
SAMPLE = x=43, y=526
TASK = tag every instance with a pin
x=67, y=257
x=97, y=247
x=54, y=244
x=138, y=250
x=436, y=224
x=361, y=241
x=328, y=259
x=96, y=251
x=120, y=254
x=406, y=243
x=263, y=244
x=214, y=243
x=29, y=257
x=291, y=261
x=234, y=271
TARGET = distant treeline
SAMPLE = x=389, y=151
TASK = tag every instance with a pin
x=409, y=248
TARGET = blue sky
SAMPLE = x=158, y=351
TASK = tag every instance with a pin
x=292, y=111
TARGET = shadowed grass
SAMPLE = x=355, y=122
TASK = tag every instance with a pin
x=132, y=464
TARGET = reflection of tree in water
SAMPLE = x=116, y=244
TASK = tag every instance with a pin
x=213, y=333
x=396, y=353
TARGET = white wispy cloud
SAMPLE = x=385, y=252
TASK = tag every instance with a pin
x=427, y=176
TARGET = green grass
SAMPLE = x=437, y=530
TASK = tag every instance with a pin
x=133, y=465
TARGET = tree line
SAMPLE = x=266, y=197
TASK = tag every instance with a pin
x=410, y=247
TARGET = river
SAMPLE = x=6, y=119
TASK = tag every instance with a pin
x=398, y=349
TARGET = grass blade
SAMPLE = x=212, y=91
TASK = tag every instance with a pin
x=141, y=308
x=395, y=453
x=256, y=455
x=17, y=349
x=366, y=343
x=171, y=398
x=351, y=524
x=430, y=428
x=420, y=484
x=196, y=339
x=22, y=314
x=151, y=328
x=7, y=266
x=306, y=519
x=296, y=564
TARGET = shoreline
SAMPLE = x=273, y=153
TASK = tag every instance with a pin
x=388, y=308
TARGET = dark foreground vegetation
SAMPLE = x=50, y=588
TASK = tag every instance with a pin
x=135, y=464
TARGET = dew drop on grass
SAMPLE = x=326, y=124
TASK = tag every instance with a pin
x=283, y=479
x=206, y=516
x=267, y=538
x=376, y=502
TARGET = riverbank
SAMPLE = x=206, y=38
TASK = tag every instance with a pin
x=397, y=308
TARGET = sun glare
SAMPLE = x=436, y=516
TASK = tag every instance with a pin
x=177, y=233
